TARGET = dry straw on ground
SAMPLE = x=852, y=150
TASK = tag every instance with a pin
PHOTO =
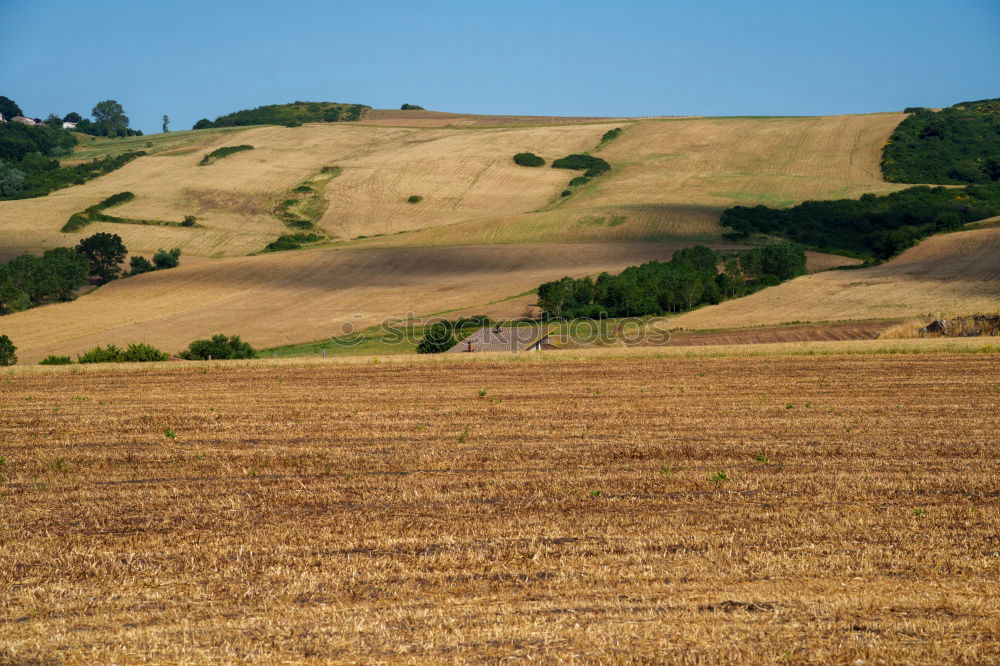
x=793, y=509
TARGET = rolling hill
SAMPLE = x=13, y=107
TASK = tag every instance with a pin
x=486, y=229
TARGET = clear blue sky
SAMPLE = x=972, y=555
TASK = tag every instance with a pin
x=193, y=59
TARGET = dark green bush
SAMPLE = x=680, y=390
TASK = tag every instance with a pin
x=7, y=349
x=75, y=222
x=415, y=199
x=566, y=193
x=579, y=180
x=107, y=354
x=291, y=242
x=219, y=347
x=52, y=359
x=220, y=153
x=139, y=265
x=167, y=258
x=439, y=338
x=189, y=221
x=528, y=160
x=411, y=107
x=611, y=135
x=595, y=166
x=293, y=123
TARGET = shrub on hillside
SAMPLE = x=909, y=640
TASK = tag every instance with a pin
x=284, y=114
x=415, y=199
x=218, y=347
x=611, y=135
x=107, y=354
x=7, y=349
x=439, y=338
x=579, y=180
x=167, y=258
x=220, y=153
x=411, y=107
x=139, y=265
x=528, y=160
x=291, y=242
x=189, y=221
x=594, y=166
x=134, y=353
x=52, y=359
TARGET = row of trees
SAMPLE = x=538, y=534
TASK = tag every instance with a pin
x=957, y=145
x=292, y=114
x=218, y=347
x=691, y=278
x=29, y=280
x=872, y=226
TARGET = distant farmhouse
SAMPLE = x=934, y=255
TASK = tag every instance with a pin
x=68, y=125
x=22, y=120
x=506, y=339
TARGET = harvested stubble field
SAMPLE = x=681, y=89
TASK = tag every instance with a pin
x=699, y=510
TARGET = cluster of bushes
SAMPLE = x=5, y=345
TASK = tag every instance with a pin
x=291, y=242
x=411, y=107
x=28, y=281
x=691, y=278
x=957, y=145
x=872, y=226
x=162, y=259
x=220, y=153
x=290, y=115
x=445, y=334
x=219, y=347
x=528, y=160
x=134, y=353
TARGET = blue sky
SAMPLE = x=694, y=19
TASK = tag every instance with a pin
x=199, y=59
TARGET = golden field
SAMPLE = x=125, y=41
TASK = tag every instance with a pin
x=592, y=507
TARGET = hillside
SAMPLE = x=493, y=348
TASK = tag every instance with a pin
x=290, y=297
x=485, y=230
x=949, y=274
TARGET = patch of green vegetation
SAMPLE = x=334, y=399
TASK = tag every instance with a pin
x=414, y=199
x=872, y=226
x=528, y=160
x=220, y=153
x=957, y=145
x=305, y=204
x=592, y=166
x=52, y=359
x=610, y=136
x=134, y=353
x=96, y=213
x=411, y=107
x=289, y=115
x=291, y=242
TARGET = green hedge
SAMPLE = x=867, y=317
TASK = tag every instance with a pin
x=220, y=153
x=528, y=160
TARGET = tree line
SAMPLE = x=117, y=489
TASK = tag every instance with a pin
x=957, y=145
x=873, y=226
x=691, y=278
x=292, y=114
